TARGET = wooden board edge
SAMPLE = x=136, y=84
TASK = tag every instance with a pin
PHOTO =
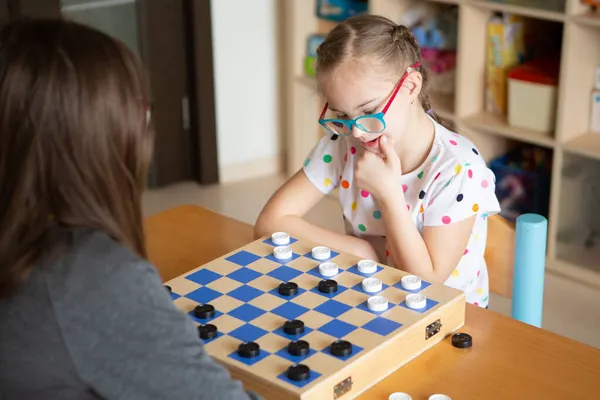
x=261, y=386
x=381, y=362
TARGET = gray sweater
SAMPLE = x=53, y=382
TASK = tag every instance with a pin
x=98, y=324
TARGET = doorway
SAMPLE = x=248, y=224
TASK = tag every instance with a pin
x=173, y=39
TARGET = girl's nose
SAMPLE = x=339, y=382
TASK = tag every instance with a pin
x=356, y=132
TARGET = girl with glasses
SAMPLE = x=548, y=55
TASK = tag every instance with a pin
x=414, y=194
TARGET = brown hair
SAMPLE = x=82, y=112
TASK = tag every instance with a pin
x=390, y=46
x=75, y=142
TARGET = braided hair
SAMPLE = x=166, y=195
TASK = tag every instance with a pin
x=380, y=39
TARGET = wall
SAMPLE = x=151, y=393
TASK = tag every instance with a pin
x=245, y=62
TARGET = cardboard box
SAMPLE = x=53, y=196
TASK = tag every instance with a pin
x=532, y=95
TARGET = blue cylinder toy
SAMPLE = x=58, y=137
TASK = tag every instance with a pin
x=529, y=269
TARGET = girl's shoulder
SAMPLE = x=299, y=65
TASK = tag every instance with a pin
x=461, y=183
x=454, y=148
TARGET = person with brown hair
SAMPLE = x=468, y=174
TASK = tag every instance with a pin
x=84, y=315
x=414, y=194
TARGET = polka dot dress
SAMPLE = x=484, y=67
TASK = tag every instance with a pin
x=451, y=185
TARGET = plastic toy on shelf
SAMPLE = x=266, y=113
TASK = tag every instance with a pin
x=339, y=10
x=595, y=107
x=435, y=28
x=592, y=3
x=523, y=181
x=310, y=60
x=438, y=31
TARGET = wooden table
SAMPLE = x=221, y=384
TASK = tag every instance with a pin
x=508, y=360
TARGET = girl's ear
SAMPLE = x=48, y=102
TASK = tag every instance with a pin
x=414, y=84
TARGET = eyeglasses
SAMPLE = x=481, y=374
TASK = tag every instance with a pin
x=373, y=123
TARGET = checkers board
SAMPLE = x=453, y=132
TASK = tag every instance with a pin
x=251, y=314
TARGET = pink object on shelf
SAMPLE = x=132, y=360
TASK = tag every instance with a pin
x=439, y=61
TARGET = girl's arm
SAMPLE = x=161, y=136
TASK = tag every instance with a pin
x=285, y=211
x=458, y=194
x=432, y=256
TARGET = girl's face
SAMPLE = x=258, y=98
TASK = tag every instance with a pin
x=352, y=93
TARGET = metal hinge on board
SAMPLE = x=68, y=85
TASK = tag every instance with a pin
x=185, y=113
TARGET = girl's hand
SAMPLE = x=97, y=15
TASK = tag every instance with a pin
x=379, y=174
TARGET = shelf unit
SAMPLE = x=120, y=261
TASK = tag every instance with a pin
x=571, y=143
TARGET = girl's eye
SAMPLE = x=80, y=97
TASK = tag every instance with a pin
x=369, y=112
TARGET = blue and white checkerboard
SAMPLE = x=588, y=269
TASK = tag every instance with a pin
x=243, y=288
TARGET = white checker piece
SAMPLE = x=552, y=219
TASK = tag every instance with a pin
x=282, y=252
x=367, y=266
x=372, y=285
x=399, y=396
x=411, y=282
x=280, y=238
x=377, y=303
x=415, y=301
x=329, y=269
x=321, y=253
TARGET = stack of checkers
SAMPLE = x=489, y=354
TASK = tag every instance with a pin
x=296, y=313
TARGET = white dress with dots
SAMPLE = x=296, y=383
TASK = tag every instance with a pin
x=452, y=184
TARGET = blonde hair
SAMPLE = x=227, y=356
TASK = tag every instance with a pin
x=392, y=48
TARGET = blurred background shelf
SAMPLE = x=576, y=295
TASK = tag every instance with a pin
x=443, y=105
x=526, y=11
x=569, y=151
x=307, y=81
x=497, y=125
x=589, y=18
x=587, y=145
x=452, y=2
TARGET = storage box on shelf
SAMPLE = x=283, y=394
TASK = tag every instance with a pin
x=569, y=139
x=532, y=91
